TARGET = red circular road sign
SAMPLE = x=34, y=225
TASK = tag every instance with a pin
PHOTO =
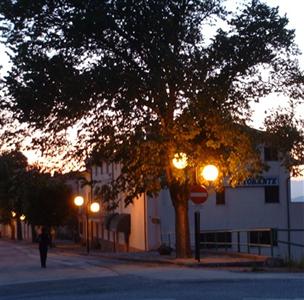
x=198, y=194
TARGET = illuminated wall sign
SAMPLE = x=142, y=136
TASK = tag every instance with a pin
x=262, y=181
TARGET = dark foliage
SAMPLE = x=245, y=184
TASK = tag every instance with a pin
x=143, y=80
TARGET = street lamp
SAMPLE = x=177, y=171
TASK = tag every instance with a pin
x=180, y=160
x=78, y=201
x=208, y=172
x=93, y=207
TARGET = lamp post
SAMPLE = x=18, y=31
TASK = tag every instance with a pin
x=22, y=219
x=209, y=173
x=288, y=196
x=89, y=206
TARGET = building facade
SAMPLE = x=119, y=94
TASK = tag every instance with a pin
x=247, y=218
x=130, y=228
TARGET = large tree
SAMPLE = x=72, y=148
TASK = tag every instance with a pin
x=13, y=167
x=143, y=80
x=48, y=200
x=24, y=189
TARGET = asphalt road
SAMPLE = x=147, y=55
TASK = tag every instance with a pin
x=70, y=276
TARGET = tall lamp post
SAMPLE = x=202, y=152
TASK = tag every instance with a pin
x=22, y=219
x=89, y=207
x=209, y=173
x=288, y=196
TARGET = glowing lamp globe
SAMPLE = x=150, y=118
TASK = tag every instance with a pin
x=22, y=217
x=210, y=172
x=180, y=160
x=78, y=200
x=95, y=207
x=13, y=214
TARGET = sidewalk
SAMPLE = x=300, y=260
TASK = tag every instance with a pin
x=208, y=259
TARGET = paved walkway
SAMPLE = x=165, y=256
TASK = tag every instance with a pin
x=208, y=259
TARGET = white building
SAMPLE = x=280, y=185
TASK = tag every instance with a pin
x=260, y=208
x=253, y=208
x=10, y=231
x=130, y=228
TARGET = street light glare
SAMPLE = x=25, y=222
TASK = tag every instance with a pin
x=79, y=200
x=180, y=160
x=210, y=172
x=95, y=207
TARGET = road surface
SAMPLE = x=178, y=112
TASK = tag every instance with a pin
x=74, y=276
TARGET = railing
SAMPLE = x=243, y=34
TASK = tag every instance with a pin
x=168, y=238
x=289, y=243
x=241, y=239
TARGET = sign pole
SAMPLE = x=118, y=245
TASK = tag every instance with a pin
x=197, y=218
x=198, y=195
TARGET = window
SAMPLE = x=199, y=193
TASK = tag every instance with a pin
x=270, y=154
x=216, y=240
x=220, y=197
x=263, y=237
x=271, y=194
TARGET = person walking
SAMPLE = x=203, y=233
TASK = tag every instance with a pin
x=44, y=241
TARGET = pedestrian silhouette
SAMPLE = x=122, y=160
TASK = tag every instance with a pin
x=44, y=241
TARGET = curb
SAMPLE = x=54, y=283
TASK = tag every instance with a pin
x=192, y=264
x=188, y=264
x=253, y=262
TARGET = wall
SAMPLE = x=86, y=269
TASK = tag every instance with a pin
x=297, y=222
x=6, y=231
x=137, y=212
x=153, y=223
x=138, y=239
x=153, y=220
x=245, y=208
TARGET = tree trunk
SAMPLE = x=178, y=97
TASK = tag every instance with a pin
x=12, y=226
x=180, y=195
x=182, y=234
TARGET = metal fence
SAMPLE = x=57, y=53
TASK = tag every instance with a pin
x=244, y=240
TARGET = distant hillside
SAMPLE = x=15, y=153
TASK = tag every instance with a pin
x=298, y=199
